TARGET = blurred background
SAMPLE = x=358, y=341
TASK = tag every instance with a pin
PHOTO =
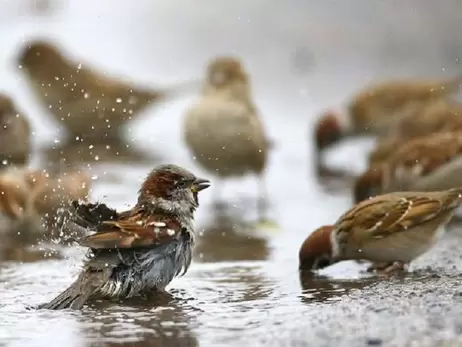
x=326, y=49
x=302, y=56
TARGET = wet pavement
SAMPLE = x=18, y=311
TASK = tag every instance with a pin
x=243, y=287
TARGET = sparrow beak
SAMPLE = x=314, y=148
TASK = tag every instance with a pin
x=200, y=184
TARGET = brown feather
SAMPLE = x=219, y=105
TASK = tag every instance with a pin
x=393, y=213
x=378, y=106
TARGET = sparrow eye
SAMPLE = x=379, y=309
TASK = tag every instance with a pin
x=182, y=184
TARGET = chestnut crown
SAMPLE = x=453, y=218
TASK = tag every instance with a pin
x=369, y=184
x=224, y=70
x=171, y=182
x=316, y=251
x=327, y=130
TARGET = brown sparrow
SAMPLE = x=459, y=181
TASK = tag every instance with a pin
x=15, y=134
x=136, y=252
x=35, y=196
x=377, y=108
x=223, y=129
x=429, y=163
x=89, y=104
x=437, y=116
x=391, y=229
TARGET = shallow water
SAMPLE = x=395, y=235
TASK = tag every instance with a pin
x=243, y=287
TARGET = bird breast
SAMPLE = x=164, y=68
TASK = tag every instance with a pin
x=145, y=270
x=226, y=135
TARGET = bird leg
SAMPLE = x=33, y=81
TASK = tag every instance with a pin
x=217, y=201
x=262, y=201
x=386, y=269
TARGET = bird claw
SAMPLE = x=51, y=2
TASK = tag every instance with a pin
x=387, y=269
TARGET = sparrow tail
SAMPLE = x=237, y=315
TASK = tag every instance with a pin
x=72, y=298
x=173, y=91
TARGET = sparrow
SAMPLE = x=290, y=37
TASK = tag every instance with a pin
x=223, y=130
x=389, y=230
x=429, y=163
x=88, y=103
x=15, y=134
x=33, y=197
x=437, y=116
x=377, y=108
x=139, y=251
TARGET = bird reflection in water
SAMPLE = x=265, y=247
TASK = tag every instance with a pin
x=318, y=289
x=166, y=320
x=229, y=237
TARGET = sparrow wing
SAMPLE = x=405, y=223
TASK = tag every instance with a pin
x=393, y=213
x=137, y=230
x=91, y=215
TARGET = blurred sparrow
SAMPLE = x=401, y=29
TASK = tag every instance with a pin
x=376, y=109
x=437, y=116
x=136, y=252
x=223, y=129
x=390, y=230
x=35, y=196
x=429, y=163
x=15, y=134
x=89, y=104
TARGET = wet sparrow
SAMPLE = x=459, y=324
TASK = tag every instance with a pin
x=136, y=252
x=391, y=230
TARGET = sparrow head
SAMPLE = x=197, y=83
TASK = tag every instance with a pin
x=173, y=189
x=328, y=130
x=223, y=71
x=39, y=54
x=369, y=184
x=316, y=250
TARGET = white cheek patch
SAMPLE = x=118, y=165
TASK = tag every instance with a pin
x=335, y=244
